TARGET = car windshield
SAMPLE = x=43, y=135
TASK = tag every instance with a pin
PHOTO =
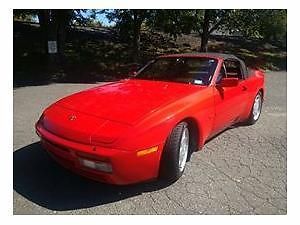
x=180, y=69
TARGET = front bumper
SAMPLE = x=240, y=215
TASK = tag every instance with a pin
x=127, y=166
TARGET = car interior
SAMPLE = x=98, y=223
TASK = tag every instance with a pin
x=233, y=69
x=186, y=70
x=196, y=71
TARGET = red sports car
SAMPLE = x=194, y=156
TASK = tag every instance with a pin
x=146, y=127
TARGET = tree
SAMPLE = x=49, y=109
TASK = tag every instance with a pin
x=174, y=22
x=267, y=24
x=54, y=23
x=129, y=23
x=209, y=21
x=25, y=14
x=177, y=22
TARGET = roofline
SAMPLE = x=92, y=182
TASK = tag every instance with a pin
x=214, y=55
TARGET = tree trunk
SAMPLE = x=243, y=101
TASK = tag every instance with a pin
x=61, y=40
x=48, y=30
x=136, y=37
x=43, y=16
x=62, y=19
x=136, y=43
x=53, y=25
x=205, y=32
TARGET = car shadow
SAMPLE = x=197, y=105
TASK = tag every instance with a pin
x=239, y=124
x=39, y=179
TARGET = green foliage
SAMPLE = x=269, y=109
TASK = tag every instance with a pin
x=174, y=22
x=85, y=17
x=177, y=22
x=127, y=20
x=273, y=25
x=81, y=17
x=269, y=24
x=266, y=24
x=218, y=19
x=243, y=22
x=25, y=14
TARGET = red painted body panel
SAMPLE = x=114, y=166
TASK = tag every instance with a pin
x=127, y=167
x=113, y=122
x=113, y=100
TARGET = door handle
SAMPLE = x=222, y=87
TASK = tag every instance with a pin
x=244, y=88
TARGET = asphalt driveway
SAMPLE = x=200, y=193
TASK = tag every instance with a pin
x=241, y=171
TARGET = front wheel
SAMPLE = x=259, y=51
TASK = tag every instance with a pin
x=256, y=109
x=175, y=153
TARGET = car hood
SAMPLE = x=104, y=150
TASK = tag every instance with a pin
x=127, y=101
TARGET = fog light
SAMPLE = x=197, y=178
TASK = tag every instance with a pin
x=101, y=166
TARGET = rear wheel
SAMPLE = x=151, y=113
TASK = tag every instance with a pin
x=256, y=109
x=175, y=152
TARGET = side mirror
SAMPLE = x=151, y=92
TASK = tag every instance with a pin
x=228, y=82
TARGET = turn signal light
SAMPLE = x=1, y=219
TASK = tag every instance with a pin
x=147, y=151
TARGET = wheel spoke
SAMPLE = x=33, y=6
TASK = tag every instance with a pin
x=183, y=150
x=256, y=107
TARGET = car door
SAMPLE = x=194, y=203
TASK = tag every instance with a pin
x=230, y=101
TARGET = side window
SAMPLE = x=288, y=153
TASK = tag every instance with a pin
x=233, y=69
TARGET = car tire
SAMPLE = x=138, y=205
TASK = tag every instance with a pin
x=175, y=153
x=255, y=109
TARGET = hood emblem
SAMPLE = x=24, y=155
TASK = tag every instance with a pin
x=72, y=117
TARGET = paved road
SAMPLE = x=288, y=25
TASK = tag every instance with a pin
x=241, y=171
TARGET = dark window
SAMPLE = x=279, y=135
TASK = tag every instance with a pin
x=180, y=69
x=233, y=69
